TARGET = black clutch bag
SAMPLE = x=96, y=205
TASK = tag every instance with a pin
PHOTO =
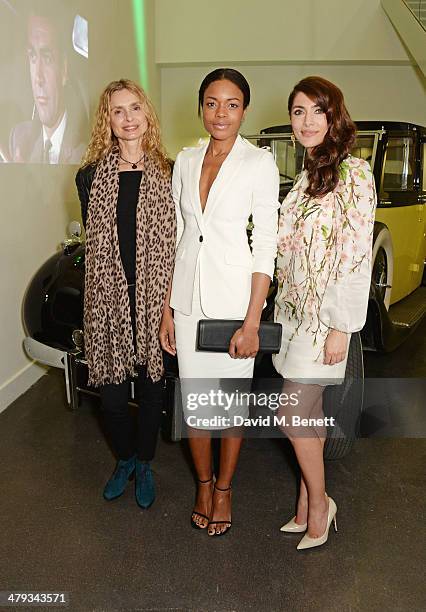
x=215, y=335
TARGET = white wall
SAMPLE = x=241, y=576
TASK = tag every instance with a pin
x=39, y=201
x=275, y=43
x=194, y=31
x=385, y=92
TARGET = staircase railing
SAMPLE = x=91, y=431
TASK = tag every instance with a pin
x=418, y=8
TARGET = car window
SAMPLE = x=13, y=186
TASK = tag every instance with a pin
x=424, y=168
x=363, y=148
x=289, y=159
x=399, y=165
x=289, y=156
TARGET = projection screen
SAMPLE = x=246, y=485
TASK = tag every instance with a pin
x=44, y=54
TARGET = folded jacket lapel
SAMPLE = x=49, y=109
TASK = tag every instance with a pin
x=195, y=165
x=224, y=177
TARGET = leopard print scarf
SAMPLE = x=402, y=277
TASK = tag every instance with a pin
x=108, y=335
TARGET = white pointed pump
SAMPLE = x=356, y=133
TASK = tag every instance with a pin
x=308, y=542
x=293, y=527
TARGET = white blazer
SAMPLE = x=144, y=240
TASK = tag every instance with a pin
x=247, y=184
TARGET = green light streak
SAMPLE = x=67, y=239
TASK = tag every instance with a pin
x=140, y=38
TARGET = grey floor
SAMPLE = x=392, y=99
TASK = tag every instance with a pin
x=58, y=534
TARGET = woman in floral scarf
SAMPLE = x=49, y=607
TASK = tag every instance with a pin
x=324, y=269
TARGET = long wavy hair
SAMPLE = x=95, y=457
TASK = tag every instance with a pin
x=103, y=140
x=322, y=164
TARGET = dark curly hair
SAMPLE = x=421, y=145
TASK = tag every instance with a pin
x=322, y=164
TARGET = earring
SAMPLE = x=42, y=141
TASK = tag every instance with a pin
x=293, y=140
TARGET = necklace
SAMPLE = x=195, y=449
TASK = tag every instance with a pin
x=133, y=164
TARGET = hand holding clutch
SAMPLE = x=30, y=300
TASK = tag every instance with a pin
x=244, y=343
x=215, y=335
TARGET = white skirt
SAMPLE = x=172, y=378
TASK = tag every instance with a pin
x=300, y=360
x=224, y=380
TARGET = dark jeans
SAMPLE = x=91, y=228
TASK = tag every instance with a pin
x=128, y=435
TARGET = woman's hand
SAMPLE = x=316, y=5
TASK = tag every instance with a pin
x=335, y=347
x=167, y=332
x=244, y=343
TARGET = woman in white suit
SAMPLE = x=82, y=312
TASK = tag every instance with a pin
x=216, y=187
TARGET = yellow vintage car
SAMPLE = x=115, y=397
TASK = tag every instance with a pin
x=396, y=153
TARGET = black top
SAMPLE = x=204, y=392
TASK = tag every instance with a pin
x=128, y=195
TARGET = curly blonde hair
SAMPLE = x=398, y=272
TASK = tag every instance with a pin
x=103, y=140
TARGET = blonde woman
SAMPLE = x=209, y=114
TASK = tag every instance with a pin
x=124, y=186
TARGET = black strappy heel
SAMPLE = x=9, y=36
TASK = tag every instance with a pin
x=229, y=523
x=193, y=523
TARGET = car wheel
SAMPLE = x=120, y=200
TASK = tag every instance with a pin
x=344, y=402
x=382, y=257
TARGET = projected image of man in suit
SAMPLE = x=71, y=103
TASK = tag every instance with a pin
x=52, y=136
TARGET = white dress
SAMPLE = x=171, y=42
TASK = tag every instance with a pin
x=233, y=198
x=323, y=270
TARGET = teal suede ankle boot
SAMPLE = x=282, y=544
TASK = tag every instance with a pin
x=145, y=489
x=118, y=481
